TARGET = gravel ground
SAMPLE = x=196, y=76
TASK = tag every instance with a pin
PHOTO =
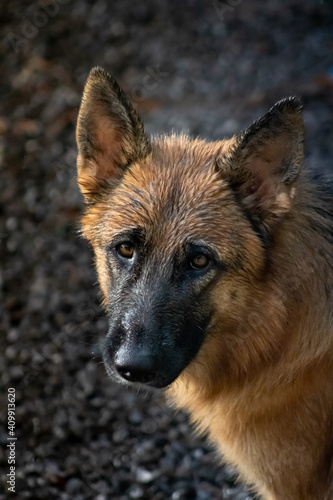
x=204, y=66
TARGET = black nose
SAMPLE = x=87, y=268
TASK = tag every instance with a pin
x=137, y=367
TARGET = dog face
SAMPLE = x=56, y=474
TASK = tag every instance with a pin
x=160, y=258
x=180, y=230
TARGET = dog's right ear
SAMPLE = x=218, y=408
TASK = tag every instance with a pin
x=110, y=135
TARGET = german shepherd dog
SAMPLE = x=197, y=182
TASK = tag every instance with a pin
x=215, y=262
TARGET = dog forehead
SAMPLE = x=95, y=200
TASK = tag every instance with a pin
x=174, y=197
x=179, y=190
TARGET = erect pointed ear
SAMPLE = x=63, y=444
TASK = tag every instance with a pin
x=264, y=163
x=110, y=135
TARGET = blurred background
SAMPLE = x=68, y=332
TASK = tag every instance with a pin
x=210, y=67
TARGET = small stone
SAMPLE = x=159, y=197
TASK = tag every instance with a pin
x=11, y=353
x=13, y=335
x=75, y=486
x=145, y=476
x=136, y=492
x=135, y=417
x=187, y=493
x=119, y=435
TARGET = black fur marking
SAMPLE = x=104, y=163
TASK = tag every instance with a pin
x=159, y=308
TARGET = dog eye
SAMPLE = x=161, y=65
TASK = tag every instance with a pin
x=199, y=261
x=125, y=250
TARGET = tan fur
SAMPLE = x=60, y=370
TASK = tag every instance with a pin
x=262, y=382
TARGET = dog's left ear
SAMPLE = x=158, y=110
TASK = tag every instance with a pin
x=110, y=135
x=264, y=163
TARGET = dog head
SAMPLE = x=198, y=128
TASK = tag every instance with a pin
x=180, y=230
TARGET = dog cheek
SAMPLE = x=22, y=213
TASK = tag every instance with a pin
x=194, y=331
x=108, y=273
x=103, y=272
